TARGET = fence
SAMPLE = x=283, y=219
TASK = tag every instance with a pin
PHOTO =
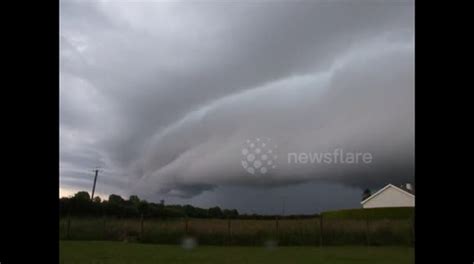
x=287, y=232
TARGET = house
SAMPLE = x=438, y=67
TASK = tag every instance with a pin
x=391, y=196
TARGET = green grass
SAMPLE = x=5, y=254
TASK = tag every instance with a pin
x=96, y=252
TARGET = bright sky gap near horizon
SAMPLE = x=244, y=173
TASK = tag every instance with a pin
x=163, y=95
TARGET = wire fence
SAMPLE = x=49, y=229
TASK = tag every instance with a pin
x=285, y=232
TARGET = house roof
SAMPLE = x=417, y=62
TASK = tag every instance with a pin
x=403, y=187
x=411, y=193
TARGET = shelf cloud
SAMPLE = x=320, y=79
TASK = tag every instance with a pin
x=163, y=96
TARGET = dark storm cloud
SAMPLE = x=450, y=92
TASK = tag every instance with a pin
x=292, y=199
x=163, y=94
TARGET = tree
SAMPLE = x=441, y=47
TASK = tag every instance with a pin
x=134, y=200
x=143, y=207
x=231, y=213
x=115, y=199
x=366, y=194
x=215, y=212
x=82, y=196
x=81, y=204
x=64, y=206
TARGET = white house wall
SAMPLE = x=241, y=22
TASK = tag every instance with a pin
x=391, y=197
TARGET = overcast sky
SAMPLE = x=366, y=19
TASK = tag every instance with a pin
x=165, y=97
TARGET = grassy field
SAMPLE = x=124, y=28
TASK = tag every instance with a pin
x=100, y=252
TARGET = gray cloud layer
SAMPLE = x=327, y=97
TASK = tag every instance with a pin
x=162, y=95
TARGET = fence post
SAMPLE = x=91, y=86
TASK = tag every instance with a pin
x=186, y=224
x=68, y=226
x=104, y=227
x=229, y=234
x=367, y=229
x=321, y=230
x=141, y=226
x=277, y=226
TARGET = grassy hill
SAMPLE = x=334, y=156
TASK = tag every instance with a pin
x=392, y=213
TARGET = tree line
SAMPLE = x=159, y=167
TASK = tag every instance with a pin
x=81, y=205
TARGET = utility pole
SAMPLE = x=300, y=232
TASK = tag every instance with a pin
x=95, y=181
